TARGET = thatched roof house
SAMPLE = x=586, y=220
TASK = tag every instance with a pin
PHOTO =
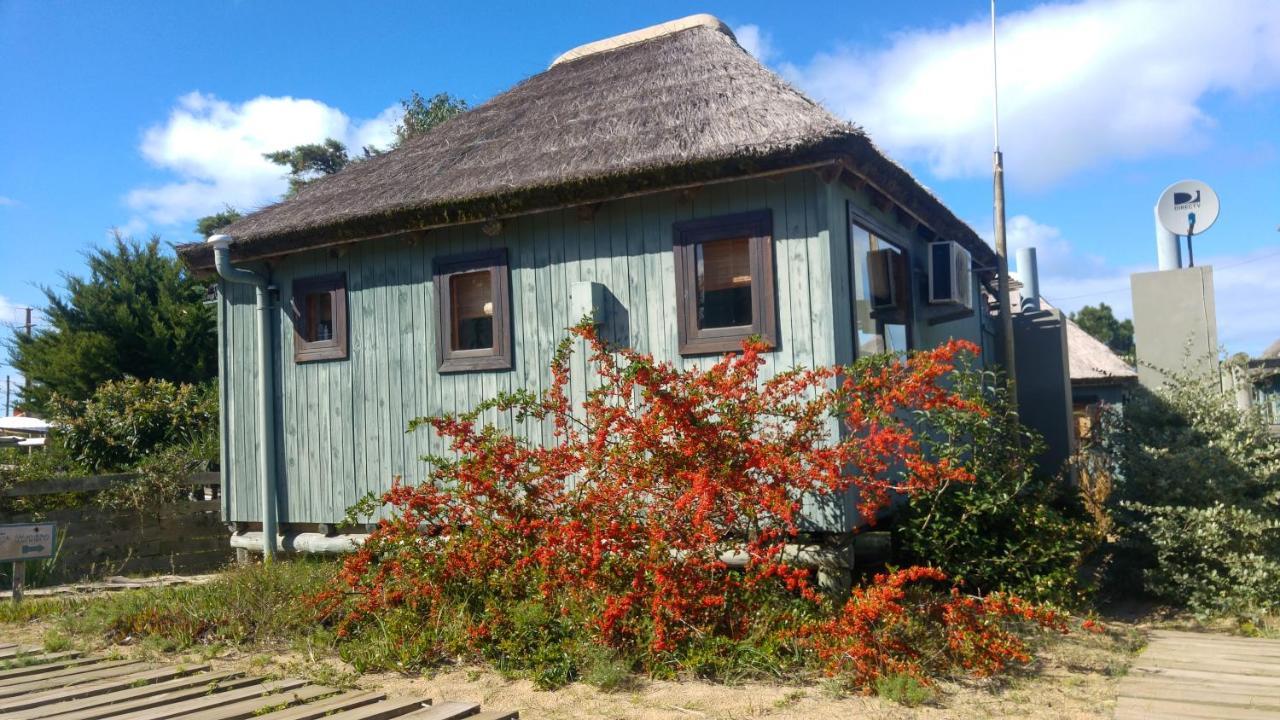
x=674, y=105
x=662, y=182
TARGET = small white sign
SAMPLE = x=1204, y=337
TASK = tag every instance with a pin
x=1187, y=207
x=27, y=542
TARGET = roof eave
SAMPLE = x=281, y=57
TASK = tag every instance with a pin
x=851, y=152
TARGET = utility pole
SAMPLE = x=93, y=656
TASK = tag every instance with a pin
x=1002, y=250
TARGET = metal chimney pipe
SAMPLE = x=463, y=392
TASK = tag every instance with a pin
x=1168, y=247
x=1029, y=276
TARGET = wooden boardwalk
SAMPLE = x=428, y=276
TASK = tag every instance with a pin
x=1202, y=676
x=67, y=686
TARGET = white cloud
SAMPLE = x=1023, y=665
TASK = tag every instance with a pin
x=1100, y=79
x=755, y=41
x=1071, y=279
x=135, y=228
x=7, y=201
x=215, y=148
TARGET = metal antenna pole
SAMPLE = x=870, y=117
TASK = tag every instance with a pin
x=26, y=382
x=1002, y=250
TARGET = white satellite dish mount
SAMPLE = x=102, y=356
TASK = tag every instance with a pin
x=1188, y=207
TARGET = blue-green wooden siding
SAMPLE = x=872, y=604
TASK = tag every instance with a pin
x=341, y=424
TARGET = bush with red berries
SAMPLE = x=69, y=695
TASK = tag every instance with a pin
x=605, y=551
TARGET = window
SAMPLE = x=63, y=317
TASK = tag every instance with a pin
x=724, y=282
x=881, y=292
x=474, y=312
x=319, y=310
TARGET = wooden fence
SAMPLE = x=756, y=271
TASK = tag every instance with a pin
x=187, y=536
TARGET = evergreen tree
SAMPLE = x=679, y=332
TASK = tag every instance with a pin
x=1101, y=323
x=138, y=313
x=315, y=160
x=210, y=224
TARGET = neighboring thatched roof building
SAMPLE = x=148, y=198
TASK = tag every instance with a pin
x=1092, y=362
x=1272, y=352
x=678, y=105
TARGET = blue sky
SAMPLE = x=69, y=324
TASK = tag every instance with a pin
x=146, y=115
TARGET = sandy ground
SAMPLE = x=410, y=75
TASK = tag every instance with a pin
x=1072, y=677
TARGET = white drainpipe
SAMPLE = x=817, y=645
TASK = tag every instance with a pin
x=266, y=394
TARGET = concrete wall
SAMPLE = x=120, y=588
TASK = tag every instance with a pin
x=1175, y=324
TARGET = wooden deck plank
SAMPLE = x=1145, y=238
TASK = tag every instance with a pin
x=70, y=660
x=1176, y=709
x=1203, y=675
x=448, y=710
x=1199, y=676
x=46, y=672
x=140, y=698
x=121, y=682
x=497, y=715
x=1233, y=667
x=323, y=708
x=15, y=650
x=253, y=707
x=181, y=709
x=1208, y=684
x=94, y=672
x=382, y=710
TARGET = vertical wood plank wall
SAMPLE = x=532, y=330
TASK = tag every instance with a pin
x=342, y=424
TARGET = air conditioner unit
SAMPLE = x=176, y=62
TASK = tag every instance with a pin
x=950, y=275
x=887, y=277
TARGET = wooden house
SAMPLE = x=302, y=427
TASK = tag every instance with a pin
x=664, y=179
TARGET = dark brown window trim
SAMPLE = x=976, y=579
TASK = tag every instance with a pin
x=499, y=357
x=757, y=226
x=903, y=315
x=334, y=348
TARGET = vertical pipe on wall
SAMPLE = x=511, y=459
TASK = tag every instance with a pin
x=265, y=391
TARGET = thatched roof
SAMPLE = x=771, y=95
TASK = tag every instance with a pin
x=672, y=109
x=1272, y=352
x=1091, y=361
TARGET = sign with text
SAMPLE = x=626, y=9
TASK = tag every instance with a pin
x=31, y=541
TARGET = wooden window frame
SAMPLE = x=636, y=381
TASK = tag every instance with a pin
x=334, y=348
x=498, y=357
x=757, y=227
x=905, y=314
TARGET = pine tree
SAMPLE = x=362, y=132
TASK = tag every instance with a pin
x=139, y=313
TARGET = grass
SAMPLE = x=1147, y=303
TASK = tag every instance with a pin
x=903, y=689
x=255, y=605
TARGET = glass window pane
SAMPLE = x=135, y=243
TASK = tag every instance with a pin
x=880, y=330
x=319, y=319
x=471, y=301
x=724, y=282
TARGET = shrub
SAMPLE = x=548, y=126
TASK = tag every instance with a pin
x=534, y=556
x=1219, y=560
x=1197, y=500
x=125, y=420
x=899, y=626
x=1013, y=529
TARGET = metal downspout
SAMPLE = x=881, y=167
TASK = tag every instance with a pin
x=266, y=393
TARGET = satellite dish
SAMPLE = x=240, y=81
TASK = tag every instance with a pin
x=1187, y=207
